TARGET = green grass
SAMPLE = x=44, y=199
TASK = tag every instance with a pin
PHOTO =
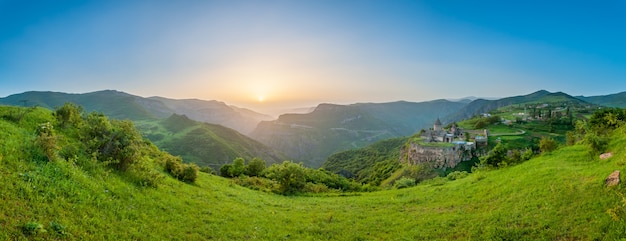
x=556, y=196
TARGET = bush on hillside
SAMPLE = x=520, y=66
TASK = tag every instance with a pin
x=457, y=175
x=496, y=156
x=115, y=142
x=180, y=170
x=598, y=143
x=547, y=144
x=255, y=167
x=404, y=182
x=47, y=141
x=238, y=167
x=144, y=174
x=69, y=115
x=225, y=170
x=290, y=176
x=208, y=170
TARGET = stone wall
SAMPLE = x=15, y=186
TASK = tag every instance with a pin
x=439, y=157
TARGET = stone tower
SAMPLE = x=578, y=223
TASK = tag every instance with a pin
x=437, y=126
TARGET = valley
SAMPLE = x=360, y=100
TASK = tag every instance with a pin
x=553, y=194
x=557, y=195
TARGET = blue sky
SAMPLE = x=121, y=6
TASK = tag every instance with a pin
x=277, y=54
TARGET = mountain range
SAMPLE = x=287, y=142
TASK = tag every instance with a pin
x=308, y=137
x=122, y=105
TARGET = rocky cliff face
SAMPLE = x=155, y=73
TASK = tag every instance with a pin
x=439, y=157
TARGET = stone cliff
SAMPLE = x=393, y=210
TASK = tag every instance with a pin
x=439, y=156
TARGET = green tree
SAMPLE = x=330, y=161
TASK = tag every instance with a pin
x=597, y=142
x=255, y=167
x=116, y=142
x=527, y=155
x=496, y=156
x=69, y=115
x=289, y=175
x=238, y=168
x=547, y=144
x=225, y=170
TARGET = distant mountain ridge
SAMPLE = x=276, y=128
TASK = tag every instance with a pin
x=612, y=100
x=312, y=137
x=122, y=105
x=480, y=106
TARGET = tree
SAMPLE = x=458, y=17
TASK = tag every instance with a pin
x=116, y=142
x=289, y=175
x=225, y=170
x=69, y=115
x=527, y=155
x=495, y=156
x=238, y=168
x=596, y=142
x=547, y=144
x=255, y=167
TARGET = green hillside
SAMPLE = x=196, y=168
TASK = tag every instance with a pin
x=481, y=106
x=612, y=100
x=201, y=143
x=120, y=105
x=556, y=196
x=370, y=164
x=310, y=138
x=204, y=144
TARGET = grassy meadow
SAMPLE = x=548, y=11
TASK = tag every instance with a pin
x=555, y=196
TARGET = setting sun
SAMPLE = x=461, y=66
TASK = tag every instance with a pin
x=260, y=98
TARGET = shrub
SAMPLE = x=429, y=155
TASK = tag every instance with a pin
x=289, y=175
x=255, y=167
x=257, y=183
x=115, y=142
x=238, y=168
x=143, y=174
x=69, y=115
x=315, y=187
x=181, y=171
x=190, y=172
x=457, y=175
x=33, y=228
x=547, y=144
x=495, y=156
x=208, y=170
x=404, y=182
x=47, y=141
x=225, y=170
x=58, y=228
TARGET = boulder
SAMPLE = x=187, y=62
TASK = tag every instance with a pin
x=605, y=156
x=613, y=179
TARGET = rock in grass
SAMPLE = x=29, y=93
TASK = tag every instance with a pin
x=613, y=179
x=605, y=156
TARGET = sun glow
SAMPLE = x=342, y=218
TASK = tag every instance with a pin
x=260, y=98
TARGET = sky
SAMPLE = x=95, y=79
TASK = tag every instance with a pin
x=268, y=55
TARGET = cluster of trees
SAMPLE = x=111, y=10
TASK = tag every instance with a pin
x=93, y=138
x=484, y=122
x=285, y=178
x=594, y=132
x=500, y=155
